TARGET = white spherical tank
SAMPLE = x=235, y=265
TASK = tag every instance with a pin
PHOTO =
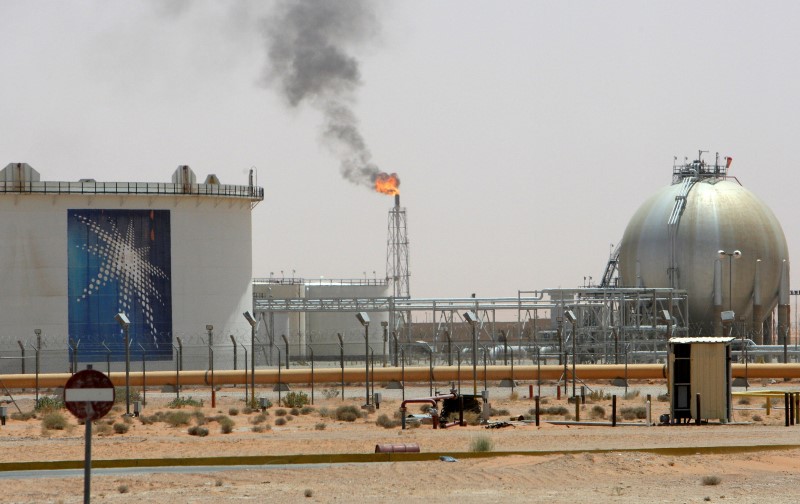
x=686, y=236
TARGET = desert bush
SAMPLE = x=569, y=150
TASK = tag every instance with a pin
x=289, y=418
x=280, y=412
x=54, y=421
x=330, y=393
x=233, y=411
x=472, y=418
x=308, y=492
x=631, y=394
x=662, y=398
x=119, y=394
x=121, y=428
x=597, y=411
x=196, y=430
x=128, y=420
x=295, y=399
x=513, y=396
x=257, y=428
x=259, y=419
x=320, y=426
x=49, y=403
x=226, y=425
x=386, y=422
x=598, y=395
x=500, y=412
x=294, y=411
x=425, y=408
x=324, y=412
x=123, y=489
x=711, y=480
x=633, y=412
x=744, y=400
x=177, y=418
x=757, y=418
x=247, y=410
x=23, y=417
x=180, y=402
x=347, y=413
x=551, y=410
x=102, y=429
x=280, y=421
x=481, y=444
x=306, y=410
x=544, y=400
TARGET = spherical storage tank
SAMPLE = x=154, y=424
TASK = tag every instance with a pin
x=686, y=236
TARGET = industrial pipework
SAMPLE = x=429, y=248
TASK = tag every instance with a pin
x=412, y=374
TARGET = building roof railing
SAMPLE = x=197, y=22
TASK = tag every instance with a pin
x=252, y=193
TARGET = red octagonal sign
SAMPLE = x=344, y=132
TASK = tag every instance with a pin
x=89, y=395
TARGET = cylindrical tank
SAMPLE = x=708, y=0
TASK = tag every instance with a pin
x=674, y=240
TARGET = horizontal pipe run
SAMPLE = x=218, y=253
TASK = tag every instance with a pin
x=412, y=374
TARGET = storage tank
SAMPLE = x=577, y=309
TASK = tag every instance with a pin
x=709, y=235
x=174, y=257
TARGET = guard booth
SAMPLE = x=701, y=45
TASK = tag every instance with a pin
x=700, y=365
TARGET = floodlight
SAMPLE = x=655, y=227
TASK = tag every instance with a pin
x=363, y=318
x=122, y=320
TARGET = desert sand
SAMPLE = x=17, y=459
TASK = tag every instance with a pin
x=568, y=463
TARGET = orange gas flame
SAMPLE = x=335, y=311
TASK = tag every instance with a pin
x=387, y=183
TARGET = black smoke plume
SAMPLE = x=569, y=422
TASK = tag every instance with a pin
x=309, y=62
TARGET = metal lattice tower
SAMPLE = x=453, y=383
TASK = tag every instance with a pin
x=397, y=251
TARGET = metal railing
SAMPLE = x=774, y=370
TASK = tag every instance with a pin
x=252, y=193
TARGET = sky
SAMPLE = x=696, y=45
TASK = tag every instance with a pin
x=525, y=133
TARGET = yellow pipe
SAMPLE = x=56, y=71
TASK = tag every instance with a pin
x=412, y=374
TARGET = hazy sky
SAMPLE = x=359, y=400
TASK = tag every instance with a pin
x=525, y=133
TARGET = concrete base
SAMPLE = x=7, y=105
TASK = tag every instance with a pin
x=394, y=385
x=507, y=383
x=281, y=386
x=619, y=382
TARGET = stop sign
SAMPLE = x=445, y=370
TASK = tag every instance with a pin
x=89, y=395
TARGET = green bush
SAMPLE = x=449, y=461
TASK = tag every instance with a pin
x=180, y=402
x=306, y=410
x=295, y=399
x=280, y=421
x=280, y=412
x=121, y=428
x=54, y=421
x=49, y=403
x=481, y=444
x=233, y=411
x=294, y=411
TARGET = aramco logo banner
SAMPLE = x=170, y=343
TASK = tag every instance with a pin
x=119, y=261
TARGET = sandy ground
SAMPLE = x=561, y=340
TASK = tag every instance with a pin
x=614, y=476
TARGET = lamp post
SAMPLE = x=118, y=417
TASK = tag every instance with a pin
x=736, y=254
x=210, y=331
x=38, y=333
x=472, y=319
x=253, y=328
x=572, y=318
x=385, y=326
x=125, y=323
x=364, y=319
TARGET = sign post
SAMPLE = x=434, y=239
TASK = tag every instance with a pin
x=89, y=396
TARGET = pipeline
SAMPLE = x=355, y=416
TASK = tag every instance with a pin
x=433, y=401
x=412, y=374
